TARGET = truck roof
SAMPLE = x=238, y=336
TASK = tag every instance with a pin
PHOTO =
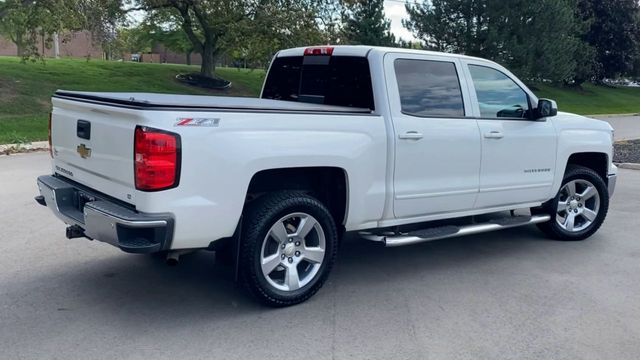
x=364, y=50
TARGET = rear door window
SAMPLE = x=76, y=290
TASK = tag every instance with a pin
x=429, y=88
x=330, y=80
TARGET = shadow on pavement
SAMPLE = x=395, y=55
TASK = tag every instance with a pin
x=134, y=288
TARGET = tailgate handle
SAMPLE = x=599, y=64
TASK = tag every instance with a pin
x=84, y=129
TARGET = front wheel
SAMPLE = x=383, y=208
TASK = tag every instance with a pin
x=288, y=247
x=579, y=208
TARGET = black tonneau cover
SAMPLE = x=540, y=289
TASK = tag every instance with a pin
x=151, y=101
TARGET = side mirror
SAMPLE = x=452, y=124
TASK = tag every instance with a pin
x=546, y=108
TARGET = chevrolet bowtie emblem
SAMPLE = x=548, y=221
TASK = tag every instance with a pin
x=84, y=151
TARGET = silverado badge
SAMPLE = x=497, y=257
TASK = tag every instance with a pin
x=84, y=151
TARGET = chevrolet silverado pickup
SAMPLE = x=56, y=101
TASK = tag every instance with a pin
x=401, y=146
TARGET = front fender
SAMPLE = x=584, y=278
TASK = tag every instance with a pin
x=578, y=134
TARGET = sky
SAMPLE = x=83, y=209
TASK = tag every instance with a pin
x=395, y=11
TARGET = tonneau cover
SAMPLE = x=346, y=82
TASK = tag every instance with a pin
x=202, y=102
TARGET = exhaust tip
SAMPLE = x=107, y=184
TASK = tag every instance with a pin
x=173, y=257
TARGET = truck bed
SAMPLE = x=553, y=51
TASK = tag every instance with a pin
x=151, y=101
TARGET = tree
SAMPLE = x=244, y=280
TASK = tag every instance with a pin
x=23, y=22
x=14, y=24
x=458, y=26
x=271, y=28
x=365, y=23
x=162, y=27
x=214, y=26
x=135, y=39
x=613, y=30
x=101, y=18
x=26, y=21
x=535, y=39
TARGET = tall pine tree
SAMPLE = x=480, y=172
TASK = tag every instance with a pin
x=365, y=24
x=536, y=39
x=613, y=30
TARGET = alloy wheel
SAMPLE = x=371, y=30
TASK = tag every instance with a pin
x=292, y=251
x=578, y=205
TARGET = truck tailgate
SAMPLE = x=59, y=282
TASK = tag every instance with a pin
x=93, y=145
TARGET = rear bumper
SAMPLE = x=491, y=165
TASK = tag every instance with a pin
x=95, y=216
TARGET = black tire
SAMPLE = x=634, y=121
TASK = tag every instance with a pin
x=552, y=228
x=259, y=217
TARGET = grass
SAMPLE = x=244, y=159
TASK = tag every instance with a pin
x=26, y=89
x=592, y=99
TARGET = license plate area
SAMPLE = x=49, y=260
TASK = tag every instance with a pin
x=71, y=202
x=81, y=198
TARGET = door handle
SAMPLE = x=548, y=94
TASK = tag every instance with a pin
x=494, y=135
x=411, y=135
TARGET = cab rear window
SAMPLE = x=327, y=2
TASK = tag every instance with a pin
x=329, y=80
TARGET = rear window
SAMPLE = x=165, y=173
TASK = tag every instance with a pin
x=429, y=88
x=329, y=80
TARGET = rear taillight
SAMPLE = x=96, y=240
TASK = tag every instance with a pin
x=49, y=137
x=324, y=50
x=156, y=159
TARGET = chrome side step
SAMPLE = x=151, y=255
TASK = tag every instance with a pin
x=448, y=231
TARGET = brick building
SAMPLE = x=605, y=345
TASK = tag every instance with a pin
x=74, y=44
x=171, y=57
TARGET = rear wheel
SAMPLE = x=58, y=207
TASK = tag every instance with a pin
x=288, y=247
x=579, y=208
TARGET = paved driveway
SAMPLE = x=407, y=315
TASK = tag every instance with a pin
x=627, y=127
x=511, y=294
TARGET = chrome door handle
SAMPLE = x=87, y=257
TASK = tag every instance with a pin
x=411, y=135
x=494, y=135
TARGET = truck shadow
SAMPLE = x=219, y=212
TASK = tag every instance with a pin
x=135, y=289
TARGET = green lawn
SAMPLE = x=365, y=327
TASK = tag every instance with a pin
x=592, y=99
x=25, y=89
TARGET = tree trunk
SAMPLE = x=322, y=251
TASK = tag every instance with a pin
x=188, y=57
x=208, y=60
x=19, y=45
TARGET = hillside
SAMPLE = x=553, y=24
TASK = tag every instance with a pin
x=25, y=90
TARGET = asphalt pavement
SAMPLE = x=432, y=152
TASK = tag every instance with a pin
x=626, y=127
x=504, y=295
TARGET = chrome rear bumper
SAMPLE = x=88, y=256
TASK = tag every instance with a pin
x=95, y=216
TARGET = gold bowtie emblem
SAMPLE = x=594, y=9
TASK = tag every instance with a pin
x=84, y=151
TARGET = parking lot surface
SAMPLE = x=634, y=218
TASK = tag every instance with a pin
x=503, y=295
x=627, y=127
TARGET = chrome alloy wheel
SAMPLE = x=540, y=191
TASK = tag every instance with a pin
x=578, y=205
x=292, y=251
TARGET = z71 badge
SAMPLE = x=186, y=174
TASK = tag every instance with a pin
x=207, y=122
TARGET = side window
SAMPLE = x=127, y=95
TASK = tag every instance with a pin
x=429, y=88
x=498, y=95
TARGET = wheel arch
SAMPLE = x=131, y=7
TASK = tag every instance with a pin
x=330, y=185
x=596, y=161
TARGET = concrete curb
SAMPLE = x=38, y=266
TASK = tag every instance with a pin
x=613, y=115
x=8, y=149
x=632, y=166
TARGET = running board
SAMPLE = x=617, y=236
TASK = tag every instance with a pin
x=448, y=231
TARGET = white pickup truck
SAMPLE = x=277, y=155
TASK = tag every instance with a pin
x=403, y=146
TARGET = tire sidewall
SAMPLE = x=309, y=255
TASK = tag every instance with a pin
x=296, y=203
x=601, y=187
